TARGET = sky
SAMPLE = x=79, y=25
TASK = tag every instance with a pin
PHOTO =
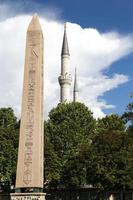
x=100, y=37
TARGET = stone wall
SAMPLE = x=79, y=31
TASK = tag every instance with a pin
x=27, y=196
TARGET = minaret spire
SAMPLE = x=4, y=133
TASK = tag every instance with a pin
x=65, y=48
x=65, y=78
x=76, y=90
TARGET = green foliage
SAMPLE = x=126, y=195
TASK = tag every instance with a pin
x=68, y=128
x=69, y=125
x=128, y=117
x=86, y=152
x=8, y=145
x=52, y=164
x=74, y=174
x=110, y=161
x=79, y=151
x=111, y=123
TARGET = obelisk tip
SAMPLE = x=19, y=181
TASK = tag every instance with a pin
x=34, y=24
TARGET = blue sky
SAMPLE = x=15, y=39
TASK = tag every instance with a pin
x=102, y=14
x=105, y=16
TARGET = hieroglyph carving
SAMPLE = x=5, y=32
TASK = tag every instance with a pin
x=33, y=42
x=31, y=145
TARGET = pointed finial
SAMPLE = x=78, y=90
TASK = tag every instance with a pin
x=65, y=26
x=75, y=81
x=65, y=48
x=75, y=91
x=35, y=15
x=34, y=24
x=75, y=71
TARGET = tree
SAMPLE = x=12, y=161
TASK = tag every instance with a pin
x=7, y=117
x=52, y=164
x=128, y=117
x=111, y=123
x=110, y=163
x=75, y=170
x=8, y=145
x=68, y=128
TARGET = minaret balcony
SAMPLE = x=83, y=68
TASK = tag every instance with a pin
x=65, y=79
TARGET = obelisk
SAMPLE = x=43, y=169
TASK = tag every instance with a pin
x=29, y=176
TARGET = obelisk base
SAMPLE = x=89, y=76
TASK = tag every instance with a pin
x=27, y=196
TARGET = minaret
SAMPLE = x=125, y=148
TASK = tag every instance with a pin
x=30, y=152
x=65, y=78
x=76, y=90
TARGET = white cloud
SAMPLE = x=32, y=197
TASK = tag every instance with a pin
x=91, y=52
x=95, y=87
x=19, y=7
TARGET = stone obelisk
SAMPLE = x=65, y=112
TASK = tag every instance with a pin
x=29, y=177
